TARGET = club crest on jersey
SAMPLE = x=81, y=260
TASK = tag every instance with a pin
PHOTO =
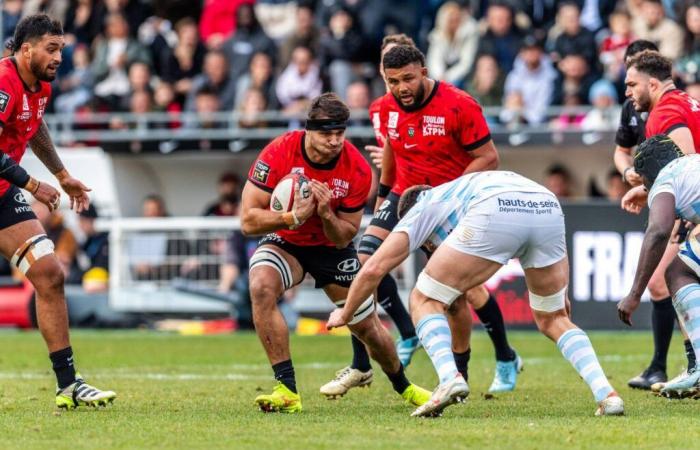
x=261, y=172
x=4, y=100
x=433, y=125
x=411, y=131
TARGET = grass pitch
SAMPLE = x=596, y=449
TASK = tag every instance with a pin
x=197, y=392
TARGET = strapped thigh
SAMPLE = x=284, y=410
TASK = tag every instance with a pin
x=266, y=256
x=31, y=251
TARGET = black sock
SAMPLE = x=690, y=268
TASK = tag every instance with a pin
x=663, y=319
x=462, y=362
x=284, y=373
x=689, y=353
x=399, y=380
x=492, y=319
x=360, y=357
x=388, y=296
x=63, y=366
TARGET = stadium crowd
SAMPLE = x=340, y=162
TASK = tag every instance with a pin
x=250, y=56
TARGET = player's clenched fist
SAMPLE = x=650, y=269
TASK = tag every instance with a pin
x=304, y=205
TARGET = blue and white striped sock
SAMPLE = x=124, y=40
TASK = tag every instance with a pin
x=434, y=333
x=687, y=303
x=577, y=349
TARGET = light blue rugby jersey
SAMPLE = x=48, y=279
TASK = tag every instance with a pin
x=681, y=178
x=439, y=210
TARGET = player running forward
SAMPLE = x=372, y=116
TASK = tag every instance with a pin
x=671, y=187
x=24, y=93
x=672, y=112
x=476, y=223
x=315, y=237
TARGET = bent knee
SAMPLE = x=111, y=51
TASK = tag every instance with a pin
x=46, y=275
x=262, y=291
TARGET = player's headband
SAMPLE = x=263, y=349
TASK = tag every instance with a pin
x=325, y=124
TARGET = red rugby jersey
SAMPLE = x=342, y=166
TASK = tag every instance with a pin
x=675, y=109
x=375, y=116
x=348, y=176
x=432, y=144
x=21, y=112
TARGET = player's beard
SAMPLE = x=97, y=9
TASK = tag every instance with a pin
x=417, y=99
x=643, y=104
x=41, y=73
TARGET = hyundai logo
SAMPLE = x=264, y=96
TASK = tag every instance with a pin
x=349, y=265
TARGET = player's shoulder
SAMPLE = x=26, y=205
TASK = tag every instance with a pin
x=285, y=143
x=451, y=95
x=377, y=104
x=9, y=78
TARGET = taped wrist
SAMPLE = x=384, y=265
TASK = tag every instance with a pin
x=383, y=190
x=12, y=172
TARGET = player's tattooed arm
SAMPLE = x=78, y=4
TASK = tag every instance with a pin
x=43, y=148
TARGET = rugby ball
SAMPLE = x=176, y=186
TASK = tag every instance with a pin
x=283, y=195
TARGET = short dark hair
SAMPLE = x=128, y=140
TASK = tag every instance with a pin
x=409, y=198
x=398, y=39
x=639, y=46
x=32, y=28
x=558, y=169
x=403, y=55
x=653, y=64
x=328, y=106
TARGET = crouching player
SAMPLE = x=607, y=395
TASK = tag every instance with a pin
x=315, y=237
x=671, y=187
x=475, y=224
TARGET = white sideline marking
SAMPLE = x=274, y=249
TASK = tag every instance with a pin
x=141, y=376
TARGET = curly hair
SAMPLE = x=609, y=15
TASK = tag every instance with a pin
x=403, y=55
x=653, y=64
x=32, y=28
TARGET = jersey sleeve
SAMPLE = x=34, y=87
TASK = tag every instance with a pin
x=626, y=135
x=664, y=183
x=473, y=132
x=8, y=98
x=421, y=221
x=359, y=186
x=375, y=118
x=268, y=168
x=665, y=119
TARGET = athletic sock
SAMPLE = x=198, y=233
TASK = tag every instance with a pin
x=687, y=303
x=389, y=299
x=663, y=319
x=360, y=357
x=434, y=333
x=689, y=353
x=462, y=363
x=577, y=349
x=62, y=361
x=492, y=319
x=398, y=380
x=284, y=373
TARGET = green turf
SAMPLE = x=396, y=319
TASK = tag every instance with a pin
x=197, y=392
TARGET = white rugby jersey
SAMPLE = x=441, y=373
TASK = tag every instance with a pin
x=439, y=210
x=681, y=178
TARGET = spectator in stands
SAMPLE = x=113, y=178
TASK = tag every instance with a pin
x=574, y=39
x=140, y=79
x=299, y=82
x=157, y=35
x=113, y=56
x=164, y=99
x=207, y=104
x=693, y=89
x=341, y=49
x=134, y=11
x=276, y=17
x=558, y=180
x=612, y=49
x=248, y=39
x=92, y=264
x=452, y=44
x=501, y=39
x=215, y=78
x=140, y=102
x=81, y=23
x=603, y=96
x=653, y=25
x=260, y=77
x=486, y=84
x=358, y=97
x=218, y=21
x=574, y=81
x=75, y=88
x=184, y=61
x=65, y=244
x=688, y=66
x=616, y=188
x=532, y=81
x=305, y=35
x=11, y=14
x=228, y=189
x=253, y=104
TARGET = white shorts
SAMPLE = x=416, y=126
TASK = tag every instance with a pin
x=524, y=225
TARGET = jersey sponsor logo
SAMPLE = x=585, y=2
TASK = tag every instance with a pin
x=261, y=171
x=26, y=112
x=393, y=119
x=25, y=103
x=19, y=198
x=393, y=134
x=4, y=100
x=339, y=188
x=376, y=121
x=633, y=121
x=385, y=204
x=297, y=170
x=350, y=265
x=23, y=209
x=433, y=125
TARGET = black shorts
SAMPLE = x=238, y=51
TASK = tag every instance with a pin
x=328, y=265
x=14, y=208
x=386, y=216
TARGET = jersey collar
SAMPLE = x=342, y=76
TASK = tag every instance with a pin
x=330, y=165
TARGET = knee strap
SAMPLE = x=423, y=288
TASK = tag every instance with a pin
x=366, y=308
x=266, y=256
x=369, y=244
x=31, y=251
x=549, y=303
x=432, y=288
